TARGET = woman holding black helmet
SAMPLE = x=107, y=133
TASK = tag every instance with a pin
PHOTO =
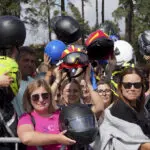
x=39, y=126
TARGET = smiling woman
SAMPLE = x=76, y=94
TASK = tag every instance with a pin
x=104, y=90
x=127, y=119
x=44, y=131
x=131, y=89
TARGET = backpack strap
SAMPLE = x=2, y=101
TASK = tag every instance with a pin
x=33, y=120
x=34, y=123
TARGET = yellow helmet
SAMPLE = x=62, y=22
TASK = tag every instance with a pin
x=9, y=65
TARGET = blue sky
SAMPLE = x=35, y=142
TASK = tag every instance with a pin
x=40, y=35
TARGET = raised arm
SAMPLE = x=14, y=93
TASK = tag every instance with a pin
x=98, y=105
x=59, y=77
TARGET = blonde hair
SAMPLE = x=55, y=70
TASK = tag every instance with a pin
x=30, y=88
x=66, y=82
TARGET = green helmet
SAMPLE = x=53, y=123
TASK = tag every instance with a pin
x=9, y=65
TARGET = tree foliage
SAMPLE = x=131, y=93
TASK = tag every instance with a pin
x=140, y=20
x=77, y=15
x=10, y=7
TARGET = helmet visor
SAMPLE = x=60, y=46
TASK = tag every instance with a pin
x=76, y=58
x=81, y=124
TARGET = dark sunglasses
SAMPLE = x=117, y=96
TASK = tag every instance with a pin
x=128, y=85
x=76, y=58
x=36, y=97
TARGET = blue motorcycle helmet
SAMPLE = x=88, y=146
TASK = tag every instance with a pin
x=54, y=50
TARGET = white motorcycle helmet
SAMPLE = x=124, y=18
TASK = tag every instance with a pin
x=123, y=52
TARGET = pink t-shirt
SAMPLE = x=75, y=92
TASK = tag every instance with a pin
x=44, y=125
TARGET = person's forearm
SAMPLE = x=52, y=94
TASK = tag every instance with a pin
x=145, y=146
x=38, y=139
x=54, y=87
x=98, y=105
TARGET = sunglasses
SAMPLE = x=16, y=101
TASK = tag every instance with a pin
x=36, y=97
x=76, y=58
x=128, y=85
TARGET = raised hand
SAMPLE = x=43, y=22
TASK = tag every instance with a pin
x=65, y=140
x=5, y=80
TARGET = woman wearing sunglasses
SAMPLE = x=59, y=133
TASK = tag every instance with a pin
x=126, y=124
x=39, y=125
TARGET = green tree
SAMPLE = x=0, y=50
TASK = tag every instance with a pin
x=96, y=6
x=126, y=9
x=11, y=7
x=62, y=7
x=102, y=13
x=40, y=12
x=142, y=16
x=137, y=19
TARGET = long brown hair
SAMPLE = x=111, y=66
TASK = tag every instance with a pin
x=140, y=102
x=30, y=88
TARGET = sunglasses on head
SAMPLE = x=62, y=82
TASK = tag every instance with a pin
x=36, y=97
x=128, y=85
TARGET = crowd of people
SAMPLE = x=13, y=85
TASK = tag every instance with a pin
x=32, y=97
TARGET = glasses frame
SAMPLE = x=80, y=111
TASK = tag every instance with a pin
x=106, y=91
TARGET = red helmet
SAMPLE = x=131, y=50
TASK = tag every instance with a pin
x=99, y=46
x=73, y=57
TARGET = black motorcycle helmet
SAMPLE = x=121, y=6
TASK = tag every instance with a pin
x=99, y=46
x=79, y=121
x=144, y=42
x=12, y=32
x=66, y=28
